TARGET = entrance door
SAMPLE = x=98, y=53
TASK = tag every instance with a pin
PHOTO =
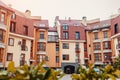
x=69, y=69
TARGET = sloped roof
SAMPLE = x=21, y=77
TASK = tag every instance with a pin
x=53, y=29
x=100, y=24
x=5, y=6
x=41, y=24
x=71, y=22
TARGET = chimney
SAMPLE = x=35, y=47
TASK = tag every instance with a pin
x=10, y=5
x=119, y=11
x=56, y=18
x=28, y=13
x=69, y=18
x=84, y=20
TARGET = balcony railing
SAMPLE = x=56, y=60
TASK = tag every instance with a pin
x=77, y=50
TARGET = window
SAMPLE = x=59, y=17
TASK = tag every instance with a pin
x=13, y=16
x=97, y=57
x=22, y=59
x=90, y=57
x=11, y=42
x=41, y=35
x=23, y=46
x=95, y=35
x=105, y=34
x=12, y=26
x=116, y=28
x=41, y=46
x=65, y=57
x=106, y=45
x=65, y=45
x=1, y=35
x=57, y=46
x=96, y=46
x=107, y=56
x=57, y=59
x=9, y=56
x=3, y=17
x=40, y=57
x=65, y=35
x=25, y=30
x=65, y=27
x=77, y=45
x=77, y=35
x=1, y=54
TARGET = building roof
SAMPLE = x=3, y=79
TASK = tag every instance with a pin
x=71, y=22
x=41, y=24
x=5, y=6
x=99, y=24
x=54, y=29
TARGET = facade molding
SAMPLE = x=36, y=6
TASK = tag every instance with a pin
x=21, y=36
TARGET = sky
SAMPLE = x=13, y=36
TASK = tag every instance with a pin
x=75, y=9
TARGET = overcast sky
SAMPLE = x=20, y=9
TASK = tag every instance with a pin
x=75, y=9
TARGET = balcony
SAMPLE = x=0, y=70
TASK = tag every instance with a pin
x=3, y=26
x=77, y=50
x=98, y=63
x=41, y=40
x=52, y=38
x=2, y=45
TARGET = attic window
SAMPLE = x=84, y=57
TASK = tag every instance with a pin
x=75, y=24
x=105, y=25
x=42, y=25
x=96, y=27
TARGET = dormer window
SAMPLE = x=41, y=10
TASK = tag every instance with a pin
x=42, y=25
x=75, y=24
x=96, y=27
x=65, y=26
x=105, y=25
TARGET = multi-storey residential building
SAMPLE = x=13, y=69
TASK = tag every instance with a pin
x=40, y=42
x=21, y=36
x=99, y=42
x=115, y=32
x=71, y=35
x=5, y=14
x=53, y=52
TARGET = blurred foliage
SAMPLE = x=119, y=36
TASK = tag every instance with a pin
x=26, y=72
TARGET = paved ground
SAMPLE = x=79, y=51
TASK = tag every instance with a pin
x=67, y=77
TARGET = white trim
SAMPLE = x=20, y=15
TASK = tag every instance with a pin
x=41, y=40
x=105, y=29
x=97, y=51
x=95, y=31
x=41, y=52
x=21, y=36
x=106, y=39
x=72, y=40
x=105, y=51
x=115, y=35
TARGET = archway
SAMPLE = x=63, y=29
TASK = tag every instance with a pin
x=69, y=69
